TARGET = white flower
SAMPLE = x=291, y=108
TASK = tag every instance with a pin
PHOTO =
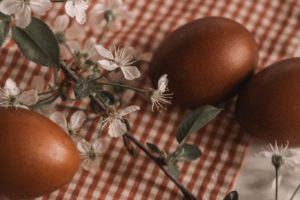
x=161, y=96
x=112, y=11
x=117, y=127
x=77, y=9
x=120, y=58
x=282, y=155
x=90, y=154
x=282, y=151
x=11, y=96
x=72, y=127
x=21, y=9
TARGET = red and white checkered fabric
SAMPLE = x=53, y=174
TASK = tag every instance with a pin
x=275, y=25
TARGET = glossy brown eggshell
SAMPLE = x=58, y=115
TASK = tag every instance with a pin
x=36, y=156
x=207, y=60
x=269, y=106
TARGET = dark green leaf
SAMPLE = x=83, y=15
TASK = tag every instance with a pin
x=4, y=17
x=82, y=89
x=153, y=148
x=4, y=29
x=196, y=120
x=190, y=152
x=94, y=106
x=232, y=196
x=107, y=97
x=173, y=170
x=38, y=43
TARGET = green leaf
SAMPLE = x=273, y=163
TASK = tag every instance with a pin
x=173, y=170
x=196, y=120
x=107, y=97
x=153, y=148
x=4, y=29
x=4, y=17
x=95, y=108
x=82, y=89
x=190, y=152
x=38, y=43
x=232, y=196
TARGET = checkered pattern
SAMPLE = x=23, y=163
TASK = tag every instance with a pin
x=120, y=176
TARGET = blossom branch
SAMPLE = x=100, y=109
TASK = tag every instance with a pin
x=188, y=195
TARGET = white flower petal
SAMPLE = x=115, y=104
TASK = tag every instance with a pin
x=23, y=17
x=9, y=7
x=40, y=7
x=77, y=120
x=60, y=120
x=104, y=52
x=116, y=128
x=83, y=146
x=89, y=165
x=163, y=83
x=98, y=146
x=29, y=97
x=80, y=16
x=99, y=8
x=69, y=7
x=131, y=72
x=77, y=9
x=108, y=65
x=11, y=87
x=128, y=110
x=61, y=23
x=38, y=83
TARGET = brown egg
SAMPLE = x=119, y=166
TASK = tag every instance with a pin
x=36, y=156
x=269, y=107
x=206, y=60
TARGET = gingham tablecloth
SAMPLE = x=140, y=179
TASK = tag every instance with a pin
x=275, y=25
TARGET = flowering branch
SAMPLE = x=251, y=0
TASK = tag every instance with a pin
x=41, y=45
x=186, y=193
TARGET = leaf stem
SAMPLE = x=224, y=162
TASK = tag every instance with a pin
x=187, y=194
x=123, y=86
x=295, y=192
x=276, y=182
